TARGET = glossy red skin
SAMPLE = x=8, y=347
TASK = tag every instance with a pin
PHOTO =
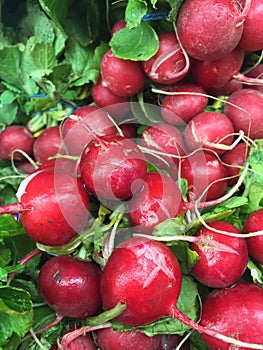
x=145, y=275
x=217, y=268
x=83, y=342
x=111, y=165
x=123, y=77
x=247, y=116
x=15, y=137
x=117, y=106
x=200, y=170
x=171, y=70
x=165, y=138
x=58, y=207
x=179, y=109
x=108, y=339
x=254, y=223
x=252, y=36
x=208, y=29
x=76, y=136
x=71, y=287
x=235, y=158
x=209, y=127
x=227, y=89
x=160, y=199
x=235, y=312
x=129, y=130
x=217, y=73
x=48, y=144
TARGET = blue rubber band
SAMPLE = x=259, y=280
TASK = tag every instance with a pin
x=156, y=16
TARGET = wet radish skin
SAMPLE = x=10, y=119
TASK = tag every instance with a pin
x=254, y=223
x=217, y=268
x=236, y=312
x=145, y=275
x=70, y=286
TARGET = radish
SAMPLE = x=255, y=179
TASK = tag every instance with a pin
x=217, y=252
x=83, y=342
x=129, y=130
x=61, y=163
x=254, y=223
x=145, y=276
x=15, y=138
x=123, y=77
x=109, y=339
x=165, y=139
x=116, y=106
x=219, y=72
x=53, y=206
x=48, y=144
x=178, y=109
x=252, y=35
x=227, y=89
x=110, y=166
x=235, y=312
x=81, y=127
x=206, y=176
x=209, y=29
x=168, y=65
x=234, y=160
x=159, y=199
x=209, y=130
x=244, y=109
x=71, y=287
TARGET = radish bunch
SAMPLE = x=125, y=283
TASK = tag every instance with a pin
x=128, y=187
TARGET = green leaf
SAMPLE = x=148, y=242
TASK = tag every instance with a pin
x=256, y=272
x=134, y=12
x=7, y=97
x=138, y=43
x=9, y=227
x=8, y=113
x=56, y=11
x=10, y=65
x=170, y=227
x=37, y=24
x=16, y=312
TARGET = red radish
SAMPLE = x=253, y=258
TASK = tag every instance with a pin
x=205, y=175
x=160, y=199
x=178, y=109
x=234, y=160
x=210, y=29
x=71, y=287
x=120, y=24
x=116, y=106
x=53, y=205
x=216, y=74
x=244, y=109
x=48, y=144
x=166, y=139
x=235, y=312
x=14, y=138
x=168, y=65
x=83, y=342
x=145, y=276
x=83, y=125
x=110, y=166
x=26, y=166
x=254, y=223
x=108, y=339
x=123, y=77
x=252, y=35
x=217, y=252
x=209, y=130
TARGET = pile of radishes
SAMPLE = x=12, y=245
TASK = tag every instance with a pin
x=102, y=155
